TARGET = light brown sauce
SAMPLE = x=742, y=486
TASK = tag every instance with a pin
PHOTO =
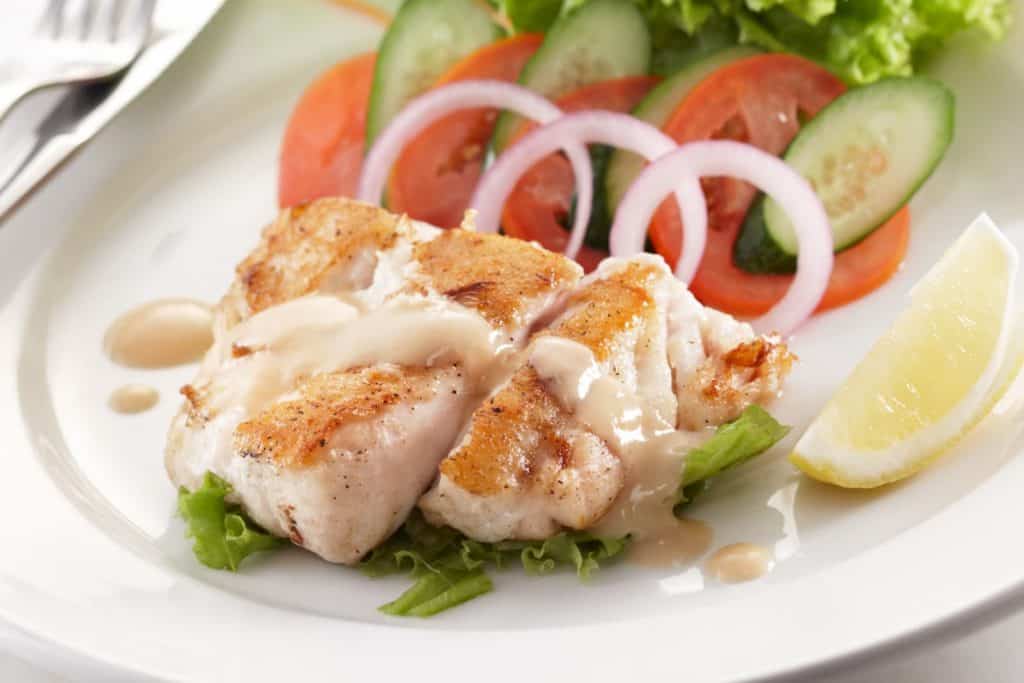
x=609, y=408
x=677, y=542
x=160, y=334
x=320, y=333
x=651, y=451
x=739, y=562
x=133, y=398
x=265, y=357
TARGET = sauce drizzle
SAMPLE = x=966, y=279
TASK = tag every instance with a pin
x=160, y=334
x=133, y=398
x=263, y=357
x=651, y=450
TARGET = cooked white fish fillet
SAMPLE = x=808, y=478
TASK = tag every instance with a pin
x=348, y=354
x=533, y=461
x=719, y=365
x=361, y=359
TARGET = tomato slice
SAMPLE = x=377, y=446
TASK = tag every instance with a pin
x=322, y=149
x=859, y=270
x=761, y=100
x=434, y=178
x=539, y=205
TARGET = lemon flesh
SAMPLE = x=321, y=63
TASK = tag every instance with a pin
x=929, y=378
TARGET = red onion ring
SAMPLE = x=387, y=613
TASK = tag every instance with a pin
x=439, y=102
x=619, y=130
x=787, y=187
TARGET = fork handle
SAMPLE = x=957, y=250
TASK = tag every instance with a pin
x=12, y=92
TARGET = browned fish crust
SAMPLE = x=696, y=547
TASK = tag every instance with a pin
x=510, y=432
x=520, y=431
x=295, y=433
x=609, y=307
x=496, y=276
x=306, y=242
x=722, y=386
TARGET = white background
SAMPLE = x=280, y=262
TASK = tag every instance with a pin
x=993, y=655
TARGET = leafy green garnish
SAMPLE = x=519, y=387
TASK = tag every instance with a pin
x=861, y=40
x=578, y=549
x=433, y=593
x=223, y=536
x=450, y=569
x=749, y=435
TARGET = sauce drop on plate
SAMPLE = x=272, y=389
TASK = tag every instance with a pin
x=160, y=334
x=739, y=562
x=133, y=398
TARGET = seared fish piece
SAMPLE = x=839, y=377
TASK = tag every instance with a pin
x=535, y=459
x=719, y=365
x=353, y=347
x=330, y=245
x=527, y=465
x=337, y=465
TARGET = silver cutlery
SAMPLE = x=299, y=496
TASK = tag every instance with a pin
x=88, y=109
x=96, y=43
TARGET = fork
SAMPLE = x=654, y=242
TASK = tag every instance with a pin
x=97, y=43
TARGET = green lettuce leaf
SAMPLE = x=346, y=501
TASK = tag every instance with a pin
x=861, y=40
x=578, y=549
x=435, y=592
x=222, y=535
x=450, y=569
x=749, y=435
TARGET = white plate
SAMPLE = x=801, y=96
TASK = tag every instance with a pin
x=171, y=196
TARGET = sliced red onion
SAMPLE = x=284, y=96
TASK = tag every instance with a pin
x=609, y=128
x=787, y=187
x=438, y=103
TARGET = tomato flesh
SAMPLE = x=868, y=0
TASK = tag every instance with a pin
x=540, y=203
x=322, y=148
x=434, y=178
x=761, y=100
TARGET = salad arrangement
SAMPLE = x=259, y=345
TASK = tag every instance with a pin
x=695, y=70
x=492, y=107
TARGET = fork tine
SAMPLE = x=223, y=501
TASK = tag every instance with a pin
x=144, y=17
x=85, y=18
x=53, y=18
x=116, y=12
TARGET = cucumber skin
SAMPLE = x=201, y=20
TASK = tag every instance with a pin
x=657, y=108
x=507, y=121
x=599, y=226
x=757, y=251
x=397, y=31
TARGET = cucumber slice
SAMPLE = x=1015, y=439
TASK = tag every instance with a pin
x=656, y=108
x=601, y=40
x=424, y=40
x=866, y=154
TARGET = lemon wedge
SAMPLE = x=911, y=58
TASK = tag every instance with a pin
x=930, y=378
